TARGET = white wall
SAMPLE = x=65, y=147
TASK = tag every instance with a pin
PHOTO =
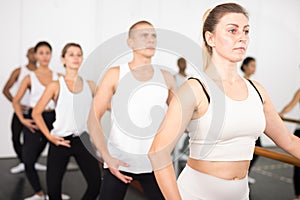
x=275, y=41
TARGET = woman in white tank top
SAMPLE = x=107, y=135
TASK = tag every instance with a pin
x=289, y=107
x=73, y=97
x=218, y=116
x=15, y=80
x=248, y=67
x=34, y=140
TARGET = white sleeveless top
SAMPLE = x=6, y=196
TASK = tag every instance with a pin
x=24, y=71
x=71, y=110
x=37, y=90
x=138, y=108
x=180, y=79
x=241, y=123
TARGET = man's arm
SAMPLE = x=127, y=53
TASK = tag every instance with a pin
x=10, y=82
x=101, y=103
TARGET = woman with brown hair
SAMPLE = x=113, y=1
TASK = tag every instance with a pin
x=73, y=96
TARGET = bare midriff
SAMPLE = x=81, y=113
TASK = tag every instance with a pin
x=228, y=170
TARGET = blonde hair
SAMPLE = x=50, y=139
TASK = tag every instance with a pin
x=205, y=55
x=210, y=20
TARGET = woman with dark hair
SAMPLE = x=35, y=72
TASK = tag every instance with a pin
x=15, y=80
x=248, y=67
x=34, y=141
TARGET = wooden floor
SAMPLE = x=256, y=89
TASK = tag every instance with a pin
x=273, y=182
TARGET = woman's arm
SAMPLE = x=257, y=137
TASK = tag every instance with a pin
x=179, y=114
x=29, y=123
x=171, y=83
x=101, y=103
x=292, y=104
x=51, y=92
x=276, y=129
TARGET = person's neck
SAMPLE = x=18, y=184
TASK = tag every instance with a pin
x=139, y=61
x=43, y=68
x=222, y=70
x=182, y=73
x=71, y=75
x=246, y=76
x=31, y=66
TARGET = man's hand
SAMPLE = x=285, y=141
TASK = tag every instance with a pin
x=113, y=165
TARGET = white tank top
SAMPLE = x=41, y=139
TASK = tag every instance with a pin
x=241, y=123
x=180, y=79
x=71, y=110
x=37, y=90
x=132, y=126
x=24, y=71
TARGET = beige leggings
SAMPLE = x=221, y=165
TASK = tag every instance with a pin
x=194, y=185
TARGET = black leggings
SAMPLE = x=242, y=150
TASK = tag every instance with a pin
x=58, y=158
x=16, y=130
x=296, y=176
x=34, y=144
x=113, y=188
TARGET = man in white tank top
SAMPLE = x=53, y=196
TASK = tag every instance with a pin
x=133, y=92
x=14, y=81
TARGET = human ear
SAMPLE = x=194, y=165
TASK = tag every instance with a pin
x=209, y=38
x=130, y=43
x=63, y=60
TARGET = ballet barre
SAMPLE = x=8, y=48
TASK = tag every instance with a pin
x=275, y=155
x=290, y=120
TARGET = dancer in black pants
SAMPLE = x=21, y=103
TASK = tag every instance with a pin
x=15, y=80
x=286, y=109
x=34, y=140
x=147, y=180
x=125, y=153
x=73, y=97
